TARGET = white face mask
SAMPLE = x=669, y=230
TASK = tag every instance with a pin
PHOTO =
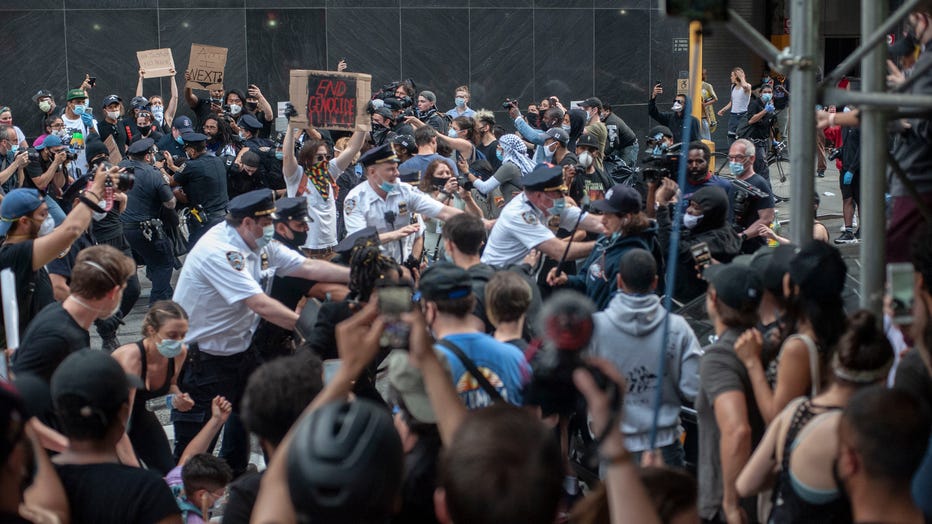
x=235, y=109
x=113, y=115
x=48, y=225
x=99, y=215
x=691, y=221
x=585, y=159
x=549, y=151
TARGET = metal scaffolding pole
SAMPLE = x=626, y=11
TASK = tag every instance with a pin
x=873, y=164
x=804, y=46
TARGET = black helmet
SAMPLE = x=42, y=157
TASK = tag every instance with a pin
x=346, y=463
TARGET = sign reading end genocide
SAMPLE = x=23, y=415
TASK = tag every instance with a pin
x=206, y=67
x=329, y=99
x=156, y=62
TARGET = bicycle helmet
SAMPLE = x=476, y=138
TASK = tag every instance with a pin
x=346, y=463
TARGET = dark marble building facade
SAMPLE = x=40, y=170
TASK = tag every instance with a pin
x=524, y=49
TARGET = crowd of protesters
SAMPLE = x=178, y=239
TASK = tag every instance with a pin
x=431, y=319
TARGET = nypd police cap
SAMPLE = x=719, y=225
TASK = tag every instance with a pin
x=545, y=178
x=249, y=121
x=190, y=138
x=294, y=208
x=258, y=203
x=141, y=146
x=378, y=155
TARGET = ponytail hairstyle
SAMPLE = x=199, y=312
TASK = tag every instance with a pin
x=160, y=313
x=863, y=355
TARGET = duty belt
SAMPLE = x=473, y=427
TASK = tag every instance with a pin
x=151, y=228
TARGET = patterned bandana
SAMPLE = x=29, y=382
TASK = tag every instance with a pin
x=318, y=174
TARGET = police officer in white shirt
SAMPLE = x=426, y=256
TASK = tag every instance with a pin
x=222, y=287
x=525, y=222
x=389, y=205
x=312, y=175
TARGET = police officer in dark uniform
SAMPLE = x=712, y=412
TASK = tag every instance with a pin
x=172, y=142
x=249, y=131
x=204, y=181
x=291, y=228
x=141, y=224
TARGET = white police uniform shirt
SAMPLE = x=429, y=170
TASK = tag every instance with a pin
x=219, y=274
x=322, y=232
x=363, y=208
x=520, y=228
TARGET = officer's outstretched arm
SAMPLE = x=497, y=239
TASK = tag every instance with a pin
x=321, y=272
x=592, y=224
x=272, y=310
x=555, y=247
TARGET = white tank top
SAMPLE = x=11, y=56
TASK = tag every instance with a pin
x=739, y=99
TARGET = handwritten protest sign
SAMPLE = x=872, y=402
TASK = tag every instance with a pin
x=206, y=67
x=330, y=100
x=156, y=62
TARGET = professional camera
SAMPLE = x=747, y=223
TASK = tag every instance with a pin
x=565, y=325
x=745, y=193
x=70, y=155
x=834, y=154
x=125, y=180
x=464, y=182
x=385, y=96
x=656, y=167
x=509, y=103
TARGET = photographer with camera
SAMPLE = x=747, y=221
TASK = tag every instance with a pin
x=673, y=119
x=12, y=160
x=750, y=199
x=427, y=112
x=440, y=183
x=47, y=172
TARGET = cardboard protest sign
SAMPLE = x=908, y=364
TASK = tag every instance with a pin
x=330, y=100
x=156, y=63
x=206, y=67
x=115, y=156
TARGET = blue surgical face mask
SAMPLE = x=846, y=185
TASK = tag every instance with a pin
x=766, y=97
x=279, y=155
x=460, y=101
x=736, y=168
x=559, y=204
x=179, y=140
x=565, y=127
x=451, y=133
x=14, y=148
x=616, y=235
x=268, y=232
x=388, y=187
x=498, y=154
x=80, y=109
x=169, y=348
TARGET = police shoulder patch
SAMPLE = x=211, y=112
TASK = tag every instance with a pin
x=182, y=166
x=236, y=260
x=530, y=217
x=349, y=205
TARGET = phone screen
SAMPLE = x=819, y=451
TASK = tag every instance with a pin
x=900, y=279
x=701, y=255
x=393, y=301
x=331, y=365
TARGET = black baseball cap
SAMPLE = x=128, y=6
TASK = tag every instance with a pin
x=620, y=199
x=110, y=99
x=445, y=281
x=183, y=124
x=659, y=130
x=96, y=378
x=587, y=140
x=591, y=102
x=737, y=286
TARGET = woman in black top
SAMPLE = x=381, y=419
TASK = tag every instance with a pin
x=157, y=360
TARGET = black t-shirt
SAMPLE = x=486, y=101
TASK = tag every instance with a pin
x=63, y=264
x=18, y=257
x=239, y=182
x=204, y=180
x=201, y=112
x=144, y=200
x=489, y=152
x=759, y=130
x=168, y=143
x=619, y=134
x=753, y=205
x=50, y=337
x=116, y=493
x=116, y=130
x=242, y=492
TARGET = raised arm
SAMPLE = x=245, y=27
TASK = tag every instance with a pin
x=264, y=104
x=172, y=106
x=289, y=162
x=139, y=82
x=349, y=153
x=220, y=409
x=189, y=95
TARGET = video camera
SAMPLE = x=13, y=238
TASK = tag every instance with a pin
x=386, y=97
x=656, y=167
x=744, y=194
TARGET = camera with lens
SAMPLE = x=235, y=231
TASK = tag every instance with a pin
x=656, y=166
x=386, y=97
x=745, y=194
x=70, y=155
x=834, y=154
x=509, y=103
x=464, y=182
x=126, y=179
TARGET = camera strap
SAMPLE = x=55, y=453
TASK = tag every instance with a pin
x=473, y=370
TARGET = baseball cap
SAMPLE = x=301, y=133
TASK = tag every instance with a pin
x=819, y=271
x=49, y=141
x=183, y=124
x=659, y=130
x=445, y=281
x=737, y=286
x=558, y=134
x=591, y=102
x=139, y=102
x=42, y=93
x=110, y=99
x=408, y=382
x=588, y=141
x=405, y=141
x=76, y=94
x=619, y=199
x=16, y=204
x=430, y=96
x=96, y=378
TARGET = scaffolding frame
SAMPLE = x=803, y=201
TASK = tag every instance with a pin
x=876, y=104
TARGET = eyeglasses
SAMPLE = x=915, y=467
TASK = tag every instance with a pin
x=324, y=157
x=738, y=158
x=57, y=126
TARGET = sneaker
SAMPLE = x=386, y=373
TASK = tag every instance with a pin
x=820, y=174
x=846, y=238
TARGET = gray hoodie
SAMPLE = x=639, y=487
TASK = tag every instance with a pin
x=629, y=333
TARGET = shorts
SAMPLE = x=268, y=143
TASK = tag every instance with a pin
x=852, y=190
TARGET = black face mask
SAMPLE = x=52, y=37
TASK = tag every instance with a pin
x=300, y=237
